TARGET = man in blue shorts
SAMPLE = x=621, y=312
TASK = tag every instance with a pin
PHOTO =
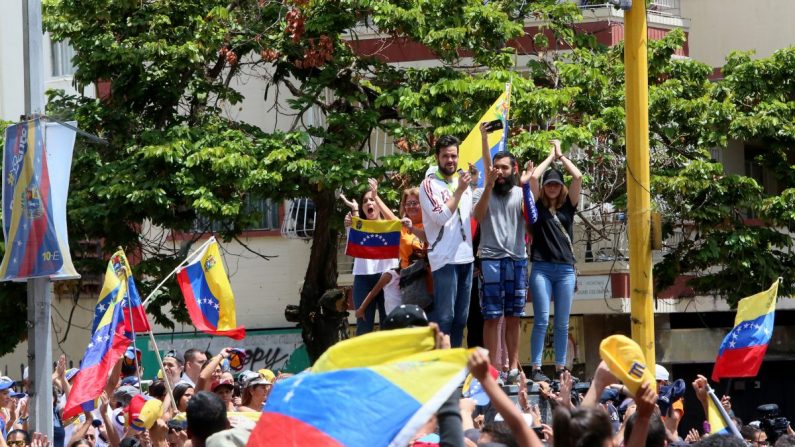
x=499, y=208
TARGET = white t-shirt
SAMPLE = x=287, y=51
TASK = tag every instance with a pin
x=373, y=266
x=392, y=296
x=455, y=244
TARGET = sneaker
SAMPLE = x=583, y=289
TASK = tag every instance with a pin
x=502, y=378
x=574, y=378
x=513, y=376
x=538, y=376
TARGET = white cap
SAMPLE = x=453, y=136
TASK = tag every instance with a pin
x=660, y=373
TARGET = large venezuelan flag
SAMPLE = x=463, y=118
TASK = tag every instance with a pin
x=118, y=273
x=471, y=151
x=743, y=349
x=32, y=245
x=377, y=405
x=373, y=239
x=107, y=344
x=208, y=294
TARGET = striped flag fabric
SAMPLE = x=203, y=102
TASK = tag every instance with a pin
x=373, y=239
x=470, y=150
x=744, y=347
x=208, y=294
x=719, y=421
x=382, y=404
x=113, y=287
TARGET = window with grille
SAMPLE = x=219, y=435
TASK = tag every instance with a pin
x=62, y=54
x=266, y=211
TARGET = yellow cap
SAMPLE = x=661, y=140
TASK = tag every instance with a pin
x=267, y=374
x=625, y=360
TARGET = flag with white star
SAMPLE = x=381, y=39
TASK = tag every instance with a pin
x=373, y=239
x=118, y=272
x=744, y=347
x=208, y=294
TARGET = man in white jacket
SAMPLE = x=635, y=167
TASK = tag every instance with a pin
x=446, y=201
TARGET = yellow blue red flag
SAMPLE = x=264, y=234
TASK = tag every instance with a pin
x=34, y=202
x=744, y=347
x=373, y=239
x=719, y=421
x=208, y=294
x=341, y=407
x=113, y=289
x=470, y=150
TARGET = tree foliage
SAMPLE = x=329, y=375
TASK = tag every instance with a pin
x=174, y=155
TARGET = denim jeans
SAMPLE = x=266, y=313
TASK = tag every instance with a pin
x=452, y=285
x=551, y=281
x=362, y=285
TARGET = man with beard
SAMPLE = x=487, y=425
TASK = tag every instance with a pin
x=446, y=202
x=499, y=208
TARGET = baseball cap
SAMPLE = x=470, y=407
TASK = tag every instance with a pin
x=6, y=383
x=670, y=394
x=552, y=176
x=125, y=393
x=130, y=380
x=143, y=412
x=609, y=394
x=267, y=374
x=258, y=380
x=223, y=382
x=625, y=360
x=406, y=315
x=660, y=373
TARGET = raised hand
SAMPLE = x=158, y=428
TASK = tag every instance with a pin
x=528, y=173
x=354, y=207
x=492, y=176
x=463, y=181
x=373, y=185
x=479, y=364
x=646, y=400
x=556, y=149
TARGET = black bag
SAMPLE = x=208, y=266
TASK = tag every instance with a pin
x=413, y=289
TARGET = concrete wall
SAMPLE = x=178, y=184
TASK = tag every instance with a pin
x=718, y=27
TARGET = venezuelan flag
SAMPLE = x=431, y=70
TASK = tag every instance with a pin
x=380, y=405
x=108, y=343
x=471, y=151
x=117, y=273
x=743, y=349
x=32, y=245
x=208, y=294
x=373, y=239
x=719, y=421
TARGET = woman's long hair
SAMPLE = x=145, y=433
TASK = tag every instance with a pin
x=559, y=200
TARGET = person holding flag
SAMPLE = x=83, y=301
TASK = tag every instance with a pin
x=500, y=208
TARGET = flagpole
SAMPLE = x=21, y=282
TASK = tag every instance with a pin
x=162, y=368
x=723, y=413
x=179, y=266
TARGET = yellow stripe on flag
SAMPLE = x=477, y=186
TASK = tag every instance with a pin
x=754, y=306
x=375, y=226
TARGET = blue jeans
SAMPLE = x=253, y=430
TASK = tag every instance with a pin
x=362, y=285
x=554, y=281
x=452, y=285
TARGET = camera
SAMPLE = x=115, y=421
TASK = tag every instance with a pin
x=770, y=421
x=491, y=126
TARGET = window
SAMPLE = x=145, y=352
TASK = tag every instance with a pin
x=62, y=54
x=267, y=213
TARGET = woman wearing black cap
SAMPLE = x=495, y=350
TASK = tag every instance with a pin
x=552, y=256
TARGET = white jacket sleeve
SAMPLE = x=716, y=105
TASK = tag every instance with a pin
x=432, y=203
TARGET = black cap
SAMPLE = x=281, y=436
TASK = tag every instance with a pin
x=406, y=315
x=552, y=176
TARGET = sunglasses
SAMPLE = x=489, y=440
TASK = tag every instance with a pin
x=16, y=443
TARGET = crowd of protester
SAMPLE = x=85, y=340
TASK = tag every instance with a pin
x=513, y=234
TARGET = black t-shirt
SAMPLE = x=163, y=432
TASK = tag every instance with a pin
x=549, y=243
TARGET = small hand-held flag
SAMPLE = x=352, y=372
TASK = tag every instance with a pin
x=119, y=283
x=743, y=349
x=719, y=421
x=373, y=239
x=208, y=294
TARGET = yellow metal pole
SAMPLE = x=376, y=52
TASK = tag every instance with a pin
x=639, y=213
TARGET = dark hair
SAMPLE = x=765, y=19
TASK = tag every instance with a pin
x=748, y=432
x=25, y=435
x=206, y=415
x=79, y=443
x=500, y=434
x=785, y=441
x=446, y=141
x=180, y=391
x=656, y=435
x=504, y=154
x=173, y=354
x=720, y=441
x=127, y=369
x=158, y=389
x=581, y=427
x=190, y=354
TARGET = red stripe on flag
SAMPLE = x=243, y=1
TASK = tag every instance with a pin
x=278, y=429
x=196, y=314
x=360, y=251
x=742, y=362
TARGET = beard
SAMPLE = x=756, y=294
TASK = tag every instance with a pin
x=504, y=187
x=446, y=172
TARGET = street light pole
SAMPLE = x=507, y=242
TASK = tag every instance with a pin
x=39, y=289
x=638, y=185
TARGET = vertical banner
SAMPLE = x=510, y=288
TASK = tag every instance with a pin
x=37, y=159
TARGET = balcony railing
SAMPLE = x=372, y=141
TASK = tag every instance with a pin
x=669, y=8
